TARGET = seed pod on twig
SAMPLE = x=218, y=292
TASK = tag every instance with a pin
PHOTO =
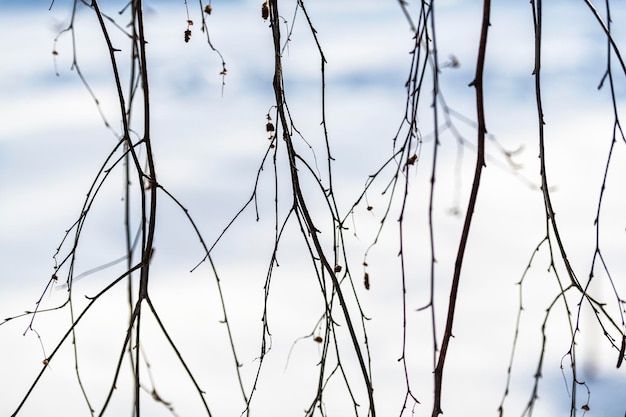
x=265, y=10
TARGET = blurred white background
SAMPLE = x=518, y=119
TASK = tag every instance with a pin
x=209, y=145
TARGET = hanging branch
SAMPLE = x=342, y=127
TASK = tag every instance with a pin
x=480, y=163
x=330, y=265
x=148, y=190
x=300, y=203
x=48, y=359
x=617, y=133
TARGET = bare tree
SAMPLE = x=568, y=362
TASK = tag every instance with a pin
x=320, y=221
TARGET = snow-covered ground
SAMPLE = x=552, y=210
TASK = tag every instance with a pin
x=209, y=141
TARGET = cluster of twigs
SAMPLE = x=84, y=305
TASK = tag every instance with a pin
x=342, y=316
x=571, y=287
x=133, y=155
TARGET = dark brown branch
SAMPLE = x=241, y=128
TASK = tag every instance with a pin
x=301, y=203
x=68, y=333
x=480, y=163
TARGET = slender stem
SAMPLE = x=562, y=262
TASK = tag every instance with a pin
x=300, y=201
x=480, y=163
x=431, y=197
x=149, y=236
